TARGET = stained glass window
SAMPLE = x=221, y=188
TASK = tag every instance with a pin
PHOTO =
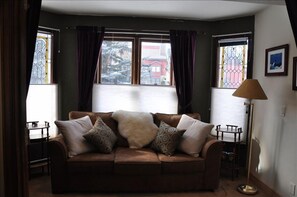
x=232, y=64
x=41, y=68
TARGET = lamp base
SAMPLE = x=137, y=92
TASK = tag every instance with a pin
x=247, y=189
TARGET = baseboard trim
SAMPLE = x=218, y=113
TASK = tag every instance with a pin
x=267, y=190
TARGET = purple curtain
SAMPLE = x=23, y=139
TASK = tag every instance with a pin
x=32, y=28
x=89, y=41
x=183, y=48
x=292, y=11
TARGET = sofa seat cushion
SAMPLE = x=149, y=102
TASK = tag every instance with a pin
x=181, y=163
x=92, y=163
x=142, y=161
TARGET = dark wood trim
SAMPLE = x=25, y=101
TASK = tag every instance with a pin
x=267, y=190
x=13, y=96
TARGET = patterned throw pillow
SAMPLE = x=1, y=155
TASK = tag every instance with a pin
x=167, y=139
x=101, y=136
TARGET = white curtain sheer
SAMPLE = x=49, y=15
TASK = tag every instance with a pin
x=227, y=109
x=42, y=105
x=153, y=99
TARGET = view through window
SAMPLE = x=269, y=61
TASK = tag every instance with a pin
x=155, y=63
x=116, y=62
x=135, y=60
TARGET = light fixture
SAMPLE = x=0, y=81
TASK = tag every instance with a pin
x=249, y=89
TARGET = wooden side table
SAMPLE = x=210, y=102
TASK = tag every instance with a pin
x=230, y=155
x=41, y=139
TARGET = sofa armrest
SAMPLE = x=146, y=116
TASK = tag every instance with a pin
x=58, y=155
x=212, y=152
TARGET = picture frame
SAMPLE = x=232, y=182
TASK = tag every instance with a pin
x=276, y=61
x=294, y=82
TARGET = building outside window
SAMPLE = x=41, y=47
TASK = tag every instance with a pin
x=155, y=63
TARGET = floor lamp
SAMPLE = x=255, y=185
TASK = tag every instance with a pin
x=249, y=89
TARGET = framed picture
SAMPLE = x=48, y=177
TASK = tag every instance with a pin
x=294, y=73
x=276, y=61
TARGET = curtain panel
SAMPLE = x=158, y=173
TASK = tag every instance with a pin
x=183, y=49
x=89, y=41
x=33, y=13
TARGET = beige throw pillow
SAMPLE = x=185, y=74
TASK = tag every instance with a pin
x=195, y=136
x=73, y=131
x=137, y=127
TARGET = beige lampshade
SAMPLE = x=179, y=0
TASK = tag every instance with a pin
x=250, y=89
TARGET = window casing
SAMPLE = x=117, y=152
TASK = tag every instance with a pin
x=135, y=59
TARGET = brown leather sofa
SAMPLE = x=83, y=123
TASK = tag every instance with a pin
x=133, y=170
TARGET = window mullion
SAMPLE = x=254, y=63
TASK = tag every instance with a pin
x=136, y=61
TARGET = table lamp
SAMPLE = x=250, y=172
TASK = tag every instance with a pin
x=249, y=89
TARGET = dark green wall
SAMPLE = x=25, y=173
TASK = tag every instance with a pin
x=66, y=64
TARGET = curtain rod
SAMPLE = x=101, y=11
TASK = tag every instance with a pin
x=49, y=28
x=130, y=31
x=235, y=34
x=134, y=31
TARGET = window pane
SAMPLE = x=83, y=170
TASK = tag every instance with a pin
x=232, y=66
x=155, y=63
x=41, y=67
x=116, y=62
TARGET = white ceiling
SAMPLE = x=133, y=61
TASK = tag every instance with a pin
x=173, y=9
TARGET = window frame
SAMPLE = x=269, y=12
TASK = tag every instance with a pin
x=137, y=38
x=216, y=53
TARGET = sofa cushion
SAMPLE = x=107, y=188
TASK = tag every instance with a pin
x=72, y=131
x=137, y=127
x=171, y=119
x=195, y=136
x=92, y=163
x=142, y=161
x=107, y=119
x=180, y=163
x=167, y=139
x=101, y=136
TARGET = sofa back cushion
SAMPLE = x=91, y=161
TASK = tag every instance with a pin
x=172, y=119
x=107, y=119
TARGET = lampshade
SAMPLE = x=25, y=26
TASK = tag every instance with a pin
x=250, y=89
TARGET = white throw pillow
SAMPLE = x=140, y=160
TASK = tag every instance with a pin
x=137, y=127
x=195, y=136
x=73, y=131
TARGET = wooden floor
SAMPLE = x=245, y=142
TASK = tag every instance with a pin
x=40, y=186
